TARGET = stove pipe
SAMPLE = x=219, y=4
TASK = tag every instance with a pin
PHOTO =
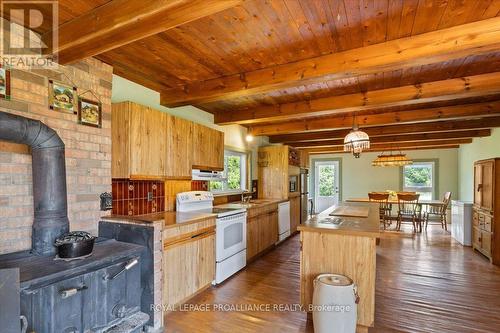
x=49, y=178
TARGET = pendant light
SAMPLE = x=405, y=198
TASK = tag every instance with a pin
x=356, y=140
x=398, y=159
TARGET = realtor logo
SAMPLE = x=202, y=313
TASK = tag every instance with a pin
x=29, y=33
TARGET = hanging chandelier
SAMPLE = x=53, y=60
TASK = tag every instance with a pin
x=391, y=160
x=356, y=140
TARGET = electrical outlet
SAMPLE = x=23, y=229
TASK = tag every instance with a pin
x=150, y=196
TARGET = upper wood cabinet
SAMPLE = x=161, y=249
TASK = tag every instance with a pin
x=484, y=175
x=273, y=172
x=150, y=144
x=139, y=148
x=208, y=148
x=304, y=159
x=179, y=160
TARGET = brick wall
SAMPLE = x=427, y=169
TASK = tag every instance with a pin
x=88, y=151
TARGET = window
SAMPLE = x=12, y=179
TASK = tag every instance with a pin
x=420, y=177
x=234, y=175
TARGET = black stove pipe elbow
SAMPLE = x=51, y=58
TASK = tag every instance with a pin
x=49, y=178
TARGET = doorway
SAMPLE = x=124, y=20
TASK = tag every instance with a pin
x=326, y=184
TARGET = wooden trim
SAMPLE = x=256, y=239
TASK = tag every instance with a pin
x=372, y=118
x=17, y=148
x=188, y=237
x=427, y=48
x=146, y=177
x=444, y=90
x=204, y=167
x=400, y=138
x=120, y=22
x=401, y=129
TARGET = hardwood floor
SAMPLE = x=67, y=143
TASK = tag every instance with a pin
x=425, y=283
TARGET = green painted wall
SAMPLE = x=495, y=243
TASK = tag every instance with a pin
x=479, y=149
x=359, y=177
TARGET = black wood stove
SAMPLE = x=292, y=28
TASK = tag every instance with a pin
x=38, y=293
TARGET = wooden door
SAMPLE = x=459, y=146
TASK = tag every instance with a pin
x=188, y=267
x=273, y=229
x=148, y=148
x=120, y=139
x=486, y=242
x=217, y=149
x=476, y=237
x=253, y=237
x=487, y=189
x=208, y=148
x=294, y=213
x=179, y=159
x=478, y=180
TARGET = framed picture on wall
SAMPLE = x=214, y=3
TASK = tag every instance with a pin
x=62, y=97
x=4, y=82
x=89, y=112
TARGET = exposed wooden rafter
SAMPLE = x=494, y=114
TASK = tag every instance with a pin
x=400, y=138
x=121, y=22
x=373, y=118
x=432, y=47
x=393, y=146
x=382, y=149
x=401, y=129
x=471, y=86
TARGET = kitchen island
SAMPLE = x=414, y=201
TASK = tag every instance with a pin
x=345, y=246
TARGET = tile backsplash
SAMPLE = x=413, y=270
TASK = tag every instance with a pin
x=199, y=185
x=137, y=197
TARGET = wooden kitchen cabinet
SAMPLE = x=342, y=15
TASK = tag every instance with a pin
x=150, y=144
x=304, y=159
x=486, y=209
x=294, y=213
x=208, y=148
x=139, y=147
x=262, y=229
x=179, y=162
x=188, y=260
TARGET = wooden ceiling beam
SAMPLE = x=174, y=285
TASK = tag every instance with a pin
x=393, y=146
x=385, y=149
x=431, y=47
x=373, y=118
x=120, y=22
x=429, y=127
x=451, y=89
x=400, y=138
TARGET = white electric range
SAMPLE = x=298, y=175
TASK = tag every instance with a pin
x=230, y=233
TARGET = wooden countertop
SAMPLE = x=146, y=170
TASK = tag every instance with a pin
x=167, y=219
x=172, y=219
x=357, y=226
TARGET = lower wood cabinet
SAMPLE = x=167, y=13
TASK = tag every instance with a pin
x=294, y=213
x=481, y=231
x=188, y=260
x=262, y=229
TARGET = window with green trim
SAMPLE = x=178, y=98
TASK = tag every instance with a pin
x=420, y=177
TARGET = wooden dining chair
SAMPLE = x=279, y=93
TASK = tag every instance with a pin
x=408, y=210
x=384, y=206
x=437, y=213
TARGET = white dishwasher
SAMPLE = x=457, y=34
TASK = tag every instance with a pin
x=283, y=221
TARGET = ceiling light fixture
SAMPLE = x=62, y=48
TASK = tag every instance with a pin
x=249, y=138
x=356, y=140
x=391, y=160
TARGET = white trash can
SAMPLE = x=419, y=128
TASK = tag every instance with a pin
x=334, y=304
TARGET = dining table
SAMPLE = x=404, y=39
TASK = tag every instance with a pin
x=421, y=204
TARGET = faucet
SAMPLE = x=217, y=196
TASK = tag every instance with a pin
x=245, y=198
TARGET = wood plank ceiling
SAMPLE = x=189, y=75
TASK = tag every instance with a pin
x=298, y=71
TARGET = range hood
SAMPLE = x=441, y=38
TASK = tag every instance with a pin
x=198, y=174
